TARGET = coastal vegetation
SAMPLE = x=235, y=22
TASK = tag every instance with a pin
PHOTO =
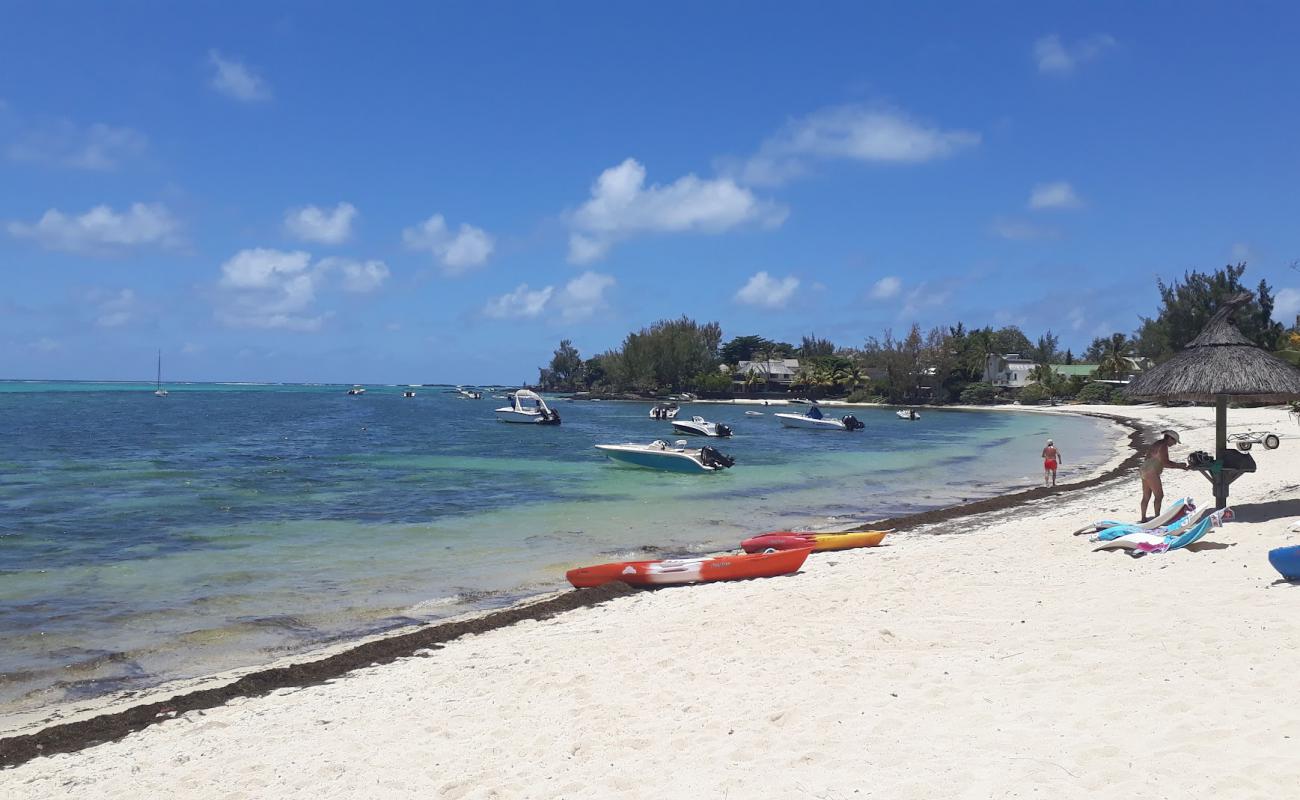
x=941, y=365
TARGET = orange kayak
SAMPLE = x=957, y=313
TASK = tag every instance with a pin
x=691, y=570
x=786, y=540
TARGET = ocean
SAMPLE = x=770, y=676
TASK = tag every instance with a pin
x=147, y=539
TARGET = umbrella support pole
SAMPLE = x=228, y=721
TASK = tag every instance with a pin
x=1220, y=449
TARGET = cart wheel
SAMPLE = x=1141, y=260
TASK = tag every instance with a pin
x=1243, y=446
x=1271, y=442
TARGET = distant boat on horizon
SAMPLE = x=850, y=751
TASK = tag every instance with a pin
x=158, y=390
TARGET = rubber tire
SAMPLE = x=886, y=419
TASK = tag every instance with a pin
x=1271, y=442
x=1243, y=446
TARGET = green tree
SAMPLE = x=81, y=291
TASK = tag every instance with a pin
x=1186, y=305
x=744, y=348
x=566, y=367
x=1011, y=340
x=1114, y=363
x=812, y=347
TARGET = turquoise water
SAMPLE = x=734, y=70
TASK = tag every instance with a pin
x=144, y=539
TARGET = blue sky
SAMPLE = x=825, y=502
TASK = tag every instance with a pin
x=419, y=192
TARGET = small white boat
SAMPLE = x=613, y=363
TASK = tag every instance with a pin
x=664, y=411
x=408, y=393
x=469, y=394
x=848, y=422
x=158, y=390
x=659, y=455
x=801, y=401
x=355, y=390
x=908, y=413
x=701, y=427
x=528, y=408
x=753, y=413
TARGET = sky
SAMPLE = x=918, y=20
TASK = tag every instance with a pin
x=439, y=192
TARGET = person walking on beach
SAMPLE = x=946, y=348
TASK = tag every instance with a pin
x=1154, y=464
x=1051, y=459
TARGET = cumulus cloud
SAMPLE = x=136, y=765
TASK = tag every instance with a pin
x=315, y=224
x=101, y=229
x=886, y=288
x=358, y=276
x=270, y=289
x=234, y=79
x=853, y=133
x=1058, y=194
x=63, y=143
x=458, y=252
x=621, y=206
x=579, y=299
x=766, y=291
x=1018, y=230
x=523, y=302
x=1055, y=57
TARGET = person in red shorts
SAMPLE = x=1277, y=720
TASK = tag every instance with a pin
x=1051, y=459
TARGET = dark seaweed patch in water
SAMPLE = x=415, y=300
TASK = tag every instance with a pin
x=283, y=623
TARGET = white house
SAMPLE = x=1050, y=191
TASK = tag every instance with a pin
x=778, y=371
x=1010, y=371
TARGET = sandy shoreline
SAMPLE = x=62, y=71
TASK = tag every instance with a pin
x=984, y=665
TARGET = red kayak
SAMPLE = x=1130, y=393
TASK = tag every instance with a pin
x=690, y=570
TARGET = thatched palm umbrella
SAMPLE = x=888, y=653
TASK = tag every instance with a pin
x=1220, y=365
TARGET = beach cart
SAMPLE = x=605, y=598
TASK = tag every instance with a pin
x=1246, y=439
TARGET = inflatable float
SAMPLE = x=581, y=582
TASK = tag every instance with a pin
x=690, y=570
x=791, y=540
x=1286, y=560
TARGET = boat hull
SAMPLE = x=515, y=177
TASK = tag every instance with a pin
x=509, y=415
x=664, y=460
x=820, y=542
x=801, y=421
x=690, y=570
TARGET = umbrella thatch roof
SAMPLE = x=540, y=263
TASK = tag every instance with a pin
x=1220, y=362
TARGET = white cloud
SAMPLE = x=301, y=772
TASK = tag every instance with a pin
x=855, y=133
x=887, y=287
x=1055, y=57
x=1058, y=194
x=358, y=276
x=64, y=144
x=584, y=295
x=1286, y=305
x=622, y=206
x=925, y=296
x=315, y=224
x=580, y=298
x=270, y=289
x=234, y=79
x=458, y=253
x=522, y=302
x=766, y=291
x=101, y=229
x=113, y=309
x=1021, y=231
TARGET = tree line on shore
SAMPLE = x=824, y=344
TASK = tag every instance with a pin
x=943, y=364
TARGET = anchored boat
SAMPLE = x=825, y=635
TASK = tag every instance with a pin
x=659, y=455
x=701, y=427
x=848, y=422
x=664, y=411
x=908, y=413
x=529, y=408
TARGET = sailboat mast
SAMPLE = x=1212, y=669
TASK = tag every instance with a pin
x=159, y=383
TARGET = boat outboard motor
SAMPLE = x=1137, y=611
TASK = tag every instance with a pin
x=551, y=418
x=852, y=423
x=722, y=430
x=714, y=458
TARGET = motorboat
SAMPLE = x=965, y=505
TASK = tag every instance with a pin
x=801, y=401
x=408, y=393
x=848, y=422
x=670, y=458
x=753, y=413
x=701, y=427
x=469, y=394
x=357, y=390
x=664, y=411
x=908, y=413
x=528, y=408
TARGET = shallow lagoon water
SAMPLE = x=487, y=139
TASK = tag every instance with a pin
x=144, y=539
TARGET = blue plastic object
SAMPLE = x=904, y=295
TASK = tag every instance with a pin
x=1286, y=560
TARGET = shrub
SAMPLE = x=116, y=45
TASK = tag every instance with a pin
x=1095, y=393
x=1033, y=394
x=978, y=394
x=864, y=396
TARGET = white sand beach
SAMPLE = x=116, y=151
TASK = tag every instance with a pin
x=993, y=656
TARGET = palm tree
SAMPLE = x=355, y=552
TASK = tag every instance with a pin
x=855, y=377
x=1115, y=362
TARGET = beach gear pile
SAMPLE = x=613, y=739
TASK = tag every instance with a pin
x=1182, y=524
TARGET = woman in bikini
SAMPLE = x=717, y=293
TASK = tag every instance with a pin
x=1154, y=464
x=1051, y=459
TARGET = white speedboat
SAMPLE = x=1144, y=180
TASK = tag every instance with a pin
x=908, y=413
x=701, y=427
x=660, y=455
x=408, y=393
x=356, y=390
x=801, y=401
x=848, y=422
x=469, y=394
x=529, y=408
x=664, y=411
x=753, y=413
